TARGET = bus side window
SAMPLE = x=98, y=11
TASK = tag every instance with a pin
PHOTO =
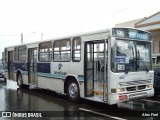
x=62, y=50
x=22, y=53
x=5, y=55
x=15, y=54
x=45, y=51
x=76, y=49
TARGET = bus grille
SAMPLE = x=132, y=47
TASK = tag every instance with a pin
x=133, y=83
x=141, y=87
x=131, y=88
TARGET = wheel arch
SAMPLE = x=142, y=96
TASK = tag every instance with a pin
x=67, y=80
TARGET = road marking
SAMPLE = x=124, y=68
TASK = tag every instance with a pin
x=101, y=114
x=151, y=101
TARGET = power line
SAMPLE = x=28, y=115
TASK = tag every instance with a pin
x=7, y=35
x=10, y=39
x=119, y=11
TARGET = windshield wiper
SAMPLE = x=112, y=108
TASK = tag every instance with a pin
x=132, y=60
x=145, y=66
x=139, y=58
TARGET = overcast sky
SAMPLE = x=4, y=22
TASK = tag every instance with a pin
x=56, y=18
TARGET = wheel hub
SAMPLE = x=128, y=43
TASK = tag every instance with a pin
x=73, y=90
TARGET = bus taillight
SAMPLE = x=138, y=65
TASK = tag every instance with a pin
x=123, y=97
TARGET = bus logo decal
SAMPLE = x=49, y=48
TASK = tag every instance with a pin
x=59, y=66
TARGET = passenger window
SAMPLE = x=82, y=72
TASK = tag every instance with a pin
x=76, y=50
x=15, y=54
x=62, y=50
x=45, y=51
x=6, y=56
x=22, y=55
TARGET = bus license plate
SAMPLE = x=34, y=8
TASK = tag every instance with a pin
x=137, y=95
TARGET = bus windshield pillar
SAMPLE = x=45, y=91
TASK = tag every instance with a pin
x=105, y=62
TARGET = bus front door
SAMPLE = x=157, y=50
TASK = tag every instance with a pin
x=94, y=70
x=32, y=66
x=10, y=65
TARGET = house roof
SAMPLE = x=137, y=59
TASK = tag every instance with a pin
x=151, y=23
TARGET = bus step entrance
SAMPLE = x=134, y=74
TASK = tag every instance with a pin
x=33, y=86
x=98, y=90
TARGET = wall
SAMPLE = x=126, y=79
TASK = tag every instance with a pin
x=156, y=42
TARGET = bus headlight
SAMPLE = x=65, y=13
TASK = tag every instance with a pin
x=120, y=90
x=117, y=90
x=150, y=85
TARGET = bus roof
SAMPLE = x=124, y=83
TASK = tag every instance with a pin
x=72, y=36
x=61, y=38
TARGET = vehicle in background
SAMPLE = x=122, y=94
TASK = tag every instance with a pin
x=157, y=80
x=2, y=73
x=155, y=60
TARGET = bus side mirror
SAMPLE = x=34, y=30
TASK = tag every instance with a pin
x=113, y=42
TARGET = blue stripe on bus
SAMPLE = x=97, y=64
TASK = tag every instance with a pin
x=56, y=76
x=81, y=78
x=51, y=75
x=25, y=72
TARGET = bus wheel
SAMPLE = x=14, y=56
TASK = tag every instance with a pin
x=73, y=91
x=20, y=81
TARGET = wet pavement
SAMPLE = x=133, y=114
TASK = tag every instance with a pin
x=43, y=104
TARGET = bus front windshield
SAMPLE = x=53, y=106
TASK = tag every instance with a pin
x=131, y=56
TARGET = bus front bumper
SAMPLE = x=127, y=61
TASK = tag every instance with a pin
x=116, y=98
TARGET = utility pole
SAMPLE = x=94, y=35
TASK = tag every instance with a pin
x=21, y=38
x=41, y=36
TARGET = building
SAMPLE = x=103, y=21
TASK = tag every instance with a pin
x=151, y=24
x=130, y=24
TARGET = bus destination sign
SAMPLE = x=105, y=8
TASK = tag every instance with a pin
x=134, y=34
x=131, y=34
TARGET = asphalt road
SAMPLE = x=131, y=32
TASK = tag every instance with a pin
x=16, y=103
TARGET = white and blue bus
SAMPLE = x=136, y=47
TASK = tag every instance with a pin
x=110, y=66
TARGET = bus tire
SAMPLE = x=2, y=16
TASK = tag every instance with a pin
x=20, y=80
x=73, y=91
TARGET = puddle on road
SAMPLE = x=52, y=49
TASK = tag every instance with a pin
x=22, y=100
x=13, y=98
x=140, y=105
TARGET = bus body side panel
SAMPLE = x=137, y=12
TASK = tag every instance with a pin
x=52, y=75
x=51, y=83
x=47, y=80
x=25, y=79
x=62, y=69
